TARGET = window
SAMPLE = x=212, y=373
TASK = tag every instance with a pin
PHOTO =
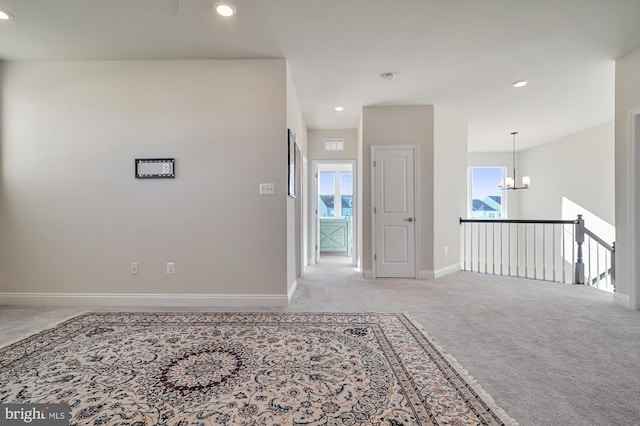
x=487, y=200
x=335, y=194
x=327, y=194
x=346, y=193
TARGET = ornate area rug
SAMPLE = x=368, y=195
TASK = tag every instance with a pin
x=243, y=369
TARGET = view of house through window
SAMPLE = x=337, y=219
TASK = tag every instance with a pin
x=336, y=194
x=487, y=199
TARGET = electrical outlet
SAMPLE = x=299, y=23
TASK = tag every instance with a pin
x=446, y=250
x=171, y=268
x=267, y=188
x=134, y=268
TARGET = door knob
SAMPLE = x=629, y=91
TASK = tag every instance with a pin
x=409, y=219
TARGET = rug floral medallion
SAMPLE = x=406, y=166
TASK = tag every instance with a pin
x=243, y=369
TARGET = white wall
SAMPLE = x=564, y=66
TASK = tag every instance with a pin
x=441, y=137
x=72, y=216
x=579, y=167
x=450, y=183
x=627, y=190
x=400, y=125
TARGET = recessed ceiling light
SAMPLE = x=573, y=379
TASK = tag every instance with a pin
x=339, y=109
x=4, y=15
x=225, y=9
x=520, y=83
x=388, y=75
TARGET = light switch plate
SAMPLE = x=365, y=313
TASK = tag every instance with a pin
x=267, y=188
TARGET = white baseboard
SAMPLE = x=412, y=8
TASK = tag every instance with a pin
x=367, y=273
x=447, y=270
x=144, y=300
x=622, y=300
x=438, y=273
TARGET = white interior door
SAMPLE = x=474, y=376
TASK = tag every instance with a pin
x=394, y=209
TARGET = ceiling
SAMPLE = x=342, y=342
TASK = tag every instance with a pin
x=457, y=54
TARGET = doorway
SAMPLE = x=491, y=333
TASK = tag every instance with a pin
x=335, y=211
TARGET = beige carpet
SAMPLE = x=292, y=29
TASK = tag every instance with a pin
x=244, y=369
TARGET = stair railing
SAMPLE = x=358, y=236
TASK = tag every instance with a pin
x=549, y=250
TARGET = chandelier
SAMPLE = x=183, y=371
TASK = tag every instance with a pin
x=510, y=182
